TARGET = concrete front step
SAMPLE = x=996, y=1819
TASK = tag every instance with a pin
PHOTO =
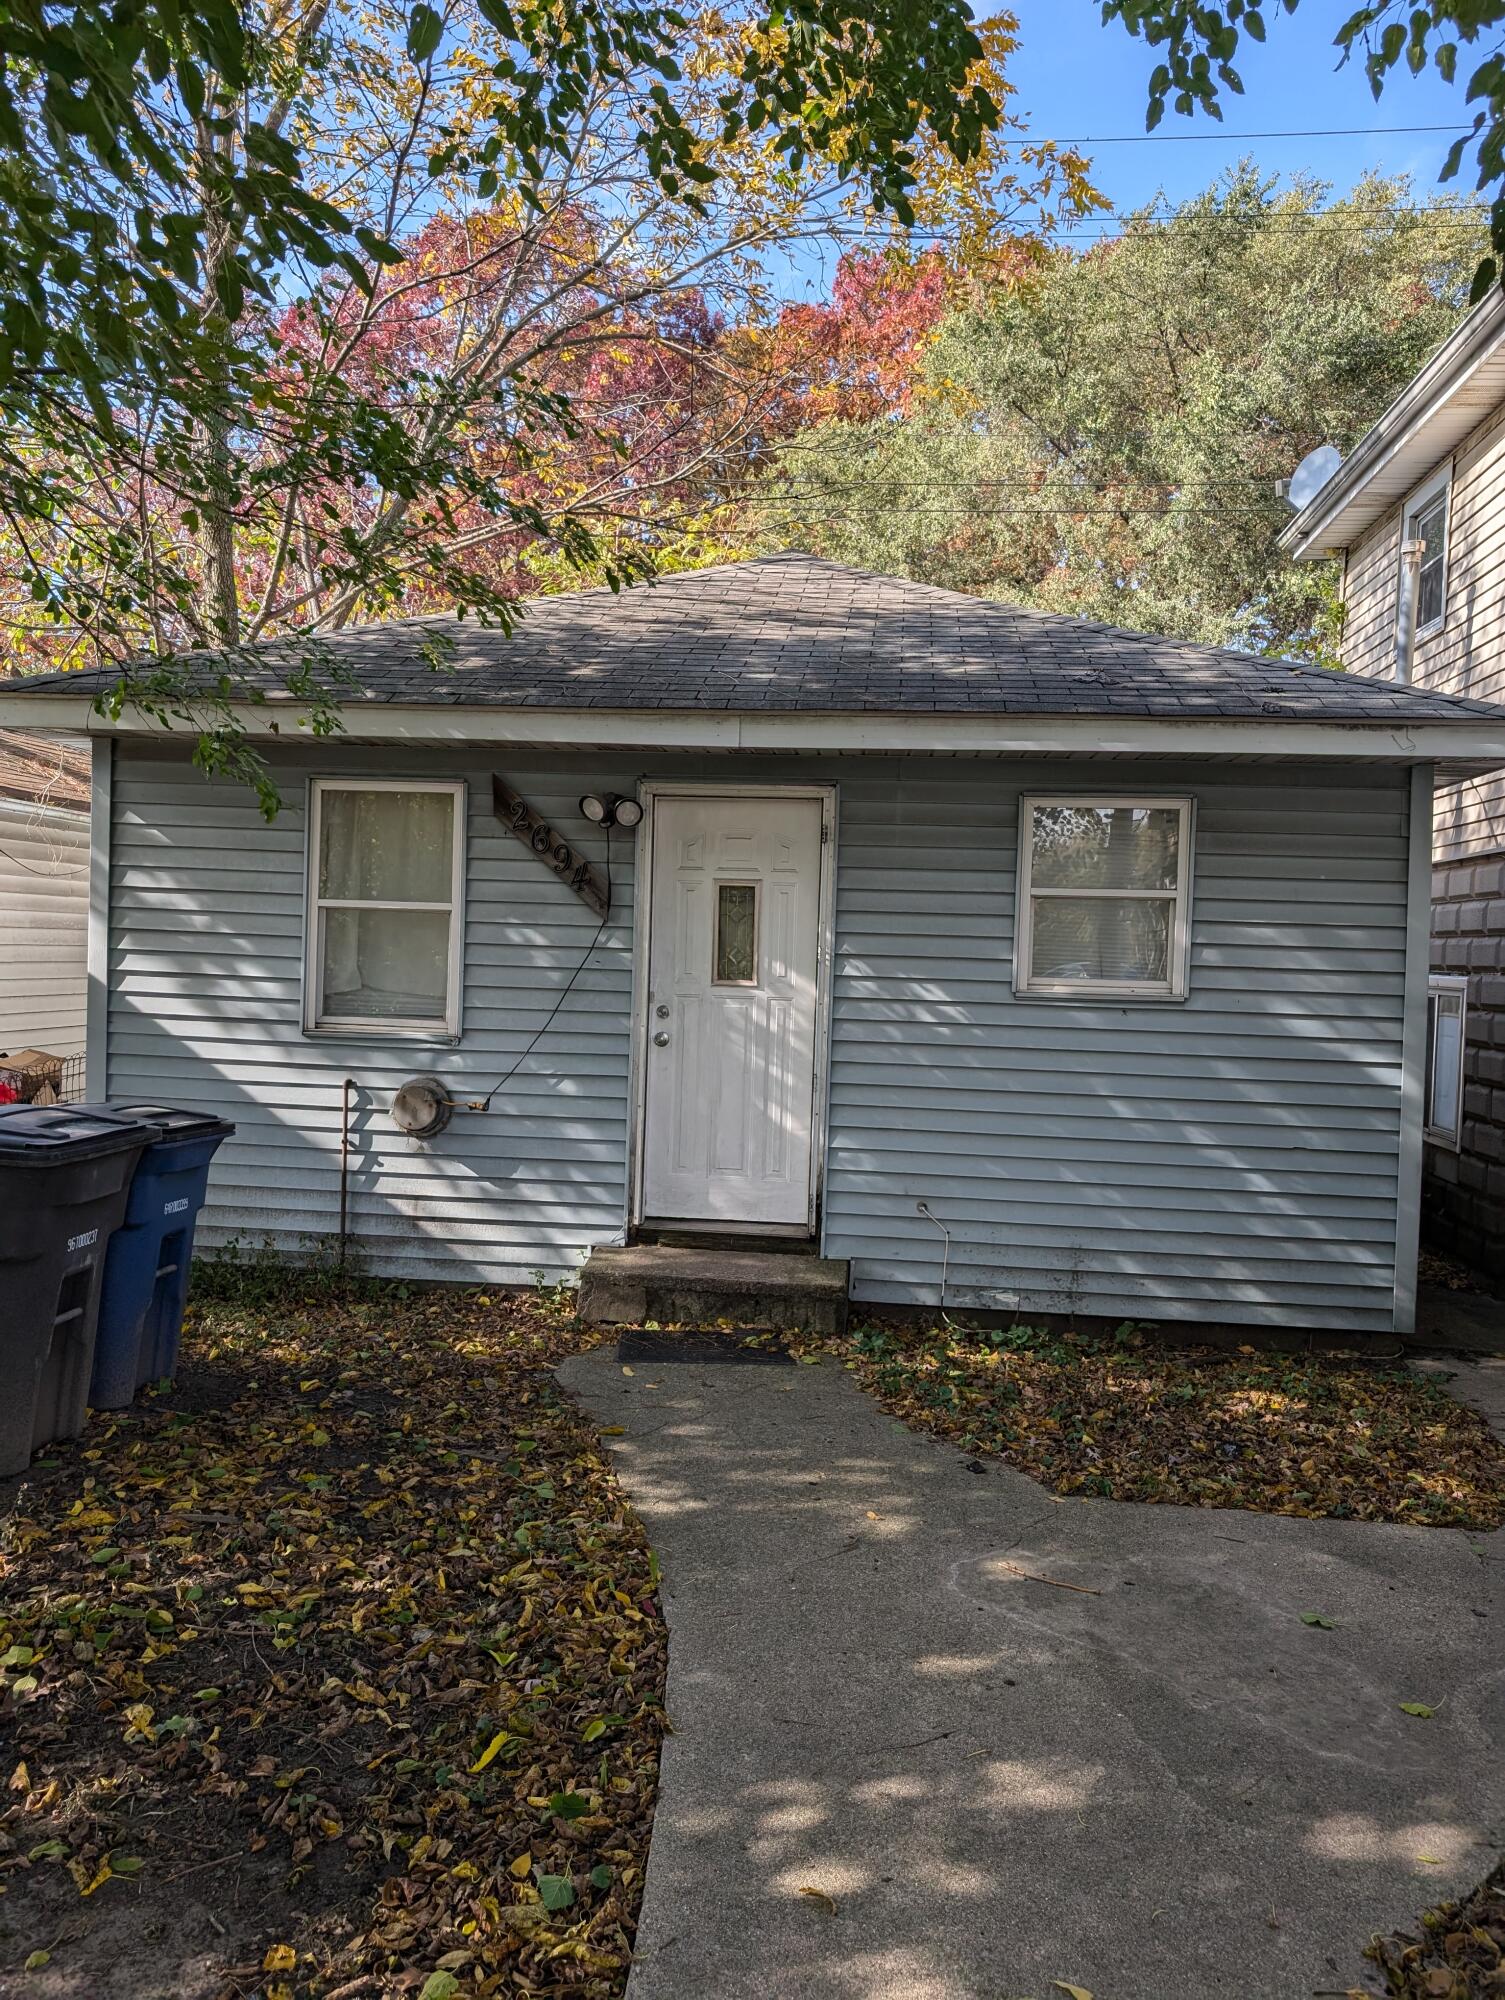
x=649, y=1281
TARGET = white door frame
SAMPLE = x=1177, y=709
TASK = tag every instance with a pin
x=649, y=792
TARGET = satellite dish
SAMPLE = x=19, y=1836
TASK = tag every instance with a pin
x=1313, y=473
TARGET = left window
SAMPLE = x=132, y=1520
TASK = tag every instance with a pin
x=386, y=870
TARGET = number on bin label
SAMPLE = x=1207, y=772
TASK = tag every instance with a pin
x=175, y=1207
x=82, y=1242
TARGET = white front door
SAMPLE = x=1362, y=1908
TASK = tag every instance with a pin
x=733, y=959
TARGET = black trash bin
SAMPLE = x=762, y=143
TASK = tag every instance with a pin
x=65, y=1174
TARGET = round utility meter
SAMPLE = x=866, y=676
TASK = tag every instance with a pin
x=422, y=1107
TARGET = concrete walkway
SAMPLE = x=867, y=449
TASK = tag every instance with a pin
x=1157, y=1785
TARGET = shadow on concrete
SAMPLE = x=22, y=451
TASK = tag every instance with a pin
x=943, y=1736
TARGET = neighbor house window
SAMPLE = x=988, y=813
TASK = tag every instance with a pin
x=1447, y=1036
x=386, y=868
x=1103, y=893
x=1426, y=521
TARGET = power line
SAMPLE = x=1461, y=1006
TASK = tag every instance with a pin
x=1319, y=132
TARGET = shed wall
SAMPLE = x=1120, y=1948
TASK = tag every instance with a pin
x=44, y=913
x=1231, y=1157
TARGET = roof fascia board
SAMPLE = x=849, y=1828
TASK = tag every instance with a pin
x=24, y=805
x=1307, y=536
x=1479, y=743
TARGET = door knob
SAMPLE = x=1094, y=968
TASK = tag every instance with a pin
x=661, y=1040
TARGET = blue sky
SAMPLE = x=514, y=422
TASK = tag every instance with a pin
x=1077, y=79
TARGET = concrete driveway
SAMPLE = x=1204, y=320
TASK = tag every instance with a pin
x=1158, y=1784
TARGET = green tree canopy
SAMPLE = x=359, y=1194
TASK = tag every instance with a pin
x=1105, y=437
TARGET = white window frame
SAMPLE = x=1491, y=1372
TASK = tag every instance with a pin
x=1439, y=486
x=369, y=1028
x=1450, y=986
x=1174, y=986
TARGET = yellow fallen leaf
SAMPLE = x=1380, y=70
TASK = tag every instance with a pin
x=37, y=1960
x=139, y=1723
x=613, y=1430
x=1074, y=1992
x=828, y=1903
x=522, y=1867
x=490, y=1751
x=20, y=1779
x=279, y=1958
x=102, y=1875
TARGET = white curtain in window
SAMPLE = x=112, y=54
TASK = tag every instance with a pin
x=386, y=964
x=386, y=847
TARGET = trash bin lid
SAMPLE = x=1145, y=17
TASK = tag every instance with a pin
x=58, y=1134
x=175, y=1122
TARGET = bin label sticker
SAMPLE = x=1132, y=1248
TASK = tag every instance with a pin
x=175, y=1207
x=82, y=1242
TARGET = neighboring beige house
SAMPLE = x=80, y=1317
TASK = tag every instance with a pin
x=44, y=893
x=1431, y=474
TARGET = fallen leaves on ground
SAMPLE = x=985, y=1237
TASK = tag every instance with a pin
x=1459, y=1954
x=1446, y=1273
x=1129, y=1419
x=352, y=1636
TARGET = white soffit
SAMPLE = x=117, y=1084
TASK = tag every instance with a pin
x=1447, y=399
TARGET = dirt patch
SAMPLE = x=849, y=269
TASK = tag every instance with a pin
x=1129, y=1419
x=337, y=1668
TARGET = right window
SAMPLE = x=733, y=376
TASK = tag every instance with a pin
x=1103, y=894
x=1427, y=522
x=1447, y=1037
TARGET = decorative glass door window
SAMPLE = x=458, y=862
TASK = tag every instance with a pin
x=1103, y=894
x=386, y=865
x=736, y=934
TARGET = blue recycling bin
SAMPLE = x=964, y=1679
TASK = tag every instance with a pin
x=146, y=1266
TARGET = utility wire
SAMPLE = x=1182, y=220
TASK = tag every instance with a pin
x=1318, y=132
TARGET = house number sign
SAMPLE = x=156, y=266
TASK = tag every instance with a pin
x=551, y=848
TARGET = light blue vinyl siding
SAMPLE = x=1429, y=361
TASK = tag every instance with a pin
x=206, y=972
x=1233, y=1156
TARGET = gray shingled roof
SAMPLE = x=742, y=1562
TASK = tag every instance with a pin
x=792, y=632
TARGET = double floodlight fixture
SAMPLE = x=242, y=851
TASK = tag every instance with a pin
x=610, y=809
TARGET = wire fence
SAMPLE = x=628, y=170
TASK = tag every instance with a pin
x=32, y=1076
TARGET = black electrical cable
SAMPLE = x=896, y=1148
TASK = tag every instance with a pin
x=484, y=1103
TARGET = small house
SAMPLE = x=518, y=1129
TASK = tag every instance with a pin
x=1013, y=962
x=1415, y=514
x=44, y=905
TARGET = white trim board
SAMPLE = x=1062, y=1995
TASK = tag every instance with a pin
x=97, y=950
x=1471, y=744
x=1413, y=1050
